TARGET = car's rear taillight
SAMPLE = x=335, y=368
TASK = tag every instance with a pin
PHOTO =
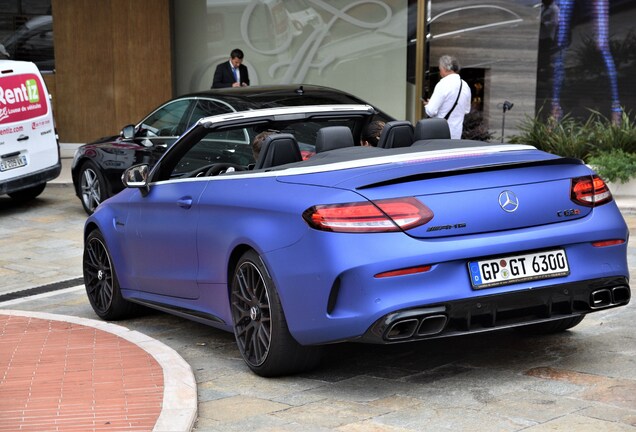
x=590, y=191
x=362, y=217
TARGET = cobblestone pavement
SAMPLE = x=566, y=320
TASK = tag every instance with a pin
x=582, y=380
x=40, y=241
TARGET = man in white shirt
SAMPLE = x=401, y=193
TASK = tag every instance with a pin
x=451, y=97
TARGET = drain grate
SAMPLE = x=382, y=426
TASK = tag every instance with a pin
x=42, y=289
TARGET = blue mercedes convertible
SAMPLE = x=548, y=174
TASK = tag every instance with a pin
x=420, y=237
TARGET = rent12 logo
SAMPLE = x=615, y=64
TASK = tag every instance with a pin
x=32, y=90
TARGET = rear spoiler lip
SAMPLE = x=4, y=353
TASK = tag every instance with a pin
x=475, y=169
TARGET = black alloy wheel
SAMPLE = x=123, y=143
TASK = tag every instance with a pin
x=260, y=327
x=92, y=187
x=100, y=279
x=251, y=313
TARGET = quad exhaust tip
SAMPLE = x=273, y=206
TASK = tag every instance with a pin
x=425, y=325
x=421, y=323
x=609, y=297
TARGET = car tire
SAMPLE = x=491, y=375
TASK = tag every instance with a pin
x=100, y=279
x=28, y=194
x=551, y=327
x=260, y=328
x=92, y=187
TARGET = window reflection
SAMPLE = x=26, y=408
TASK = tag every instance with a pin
x=337, y=43
x=26, y=32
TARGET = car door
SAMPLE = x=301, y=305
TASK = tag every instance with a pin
x=161, y=233
x=162, y=226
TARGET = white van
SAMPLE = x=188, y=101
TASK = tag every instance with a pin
x=29, y=148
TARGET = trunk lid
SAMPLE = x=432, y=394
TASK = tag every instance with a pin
x=476, y=193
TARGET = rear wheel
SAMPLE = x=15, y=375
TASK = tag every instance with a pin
x=551, y=327
x=100, y=279
x=261, y=331
x=92, y=187
x=29, y=193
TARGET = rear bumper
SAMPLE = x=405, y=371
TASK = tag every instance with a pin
x=330, y=293
x=499, y=311
x=32, y=179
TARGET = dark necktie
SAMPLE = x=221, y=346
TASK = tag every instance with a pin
x=235, y=74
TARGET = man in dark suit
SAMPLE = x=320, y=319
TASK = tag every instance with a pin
x=232, y=73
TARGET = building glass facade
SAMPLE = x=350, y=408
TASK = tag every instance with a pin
x=356, y=46
x=587, y=58
x=546, y=57
x=26, y=31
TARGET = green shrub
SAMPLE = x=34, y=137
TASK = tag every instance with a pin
x=610, y=148
x=615, y=165
x=580, y=139
x=568, y=137
x=606, y=136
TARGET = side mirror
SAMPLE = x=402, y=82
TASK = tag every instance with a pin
x=128, y=132
x=137, y=177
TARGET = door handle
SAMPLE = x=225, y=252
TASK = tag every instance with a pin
x=23, y=137
x=185, y=202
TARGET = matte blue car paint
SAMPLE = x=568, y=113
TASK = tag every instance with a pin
x=363, y=299
x=185, y=252
x=161, y=218
x=304, y=263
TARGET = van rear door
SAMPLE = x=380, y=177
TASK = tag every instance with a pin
x=29, y=149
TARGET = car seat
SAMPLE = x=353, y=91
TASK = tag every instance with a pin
x=333, y=137
x=278, y=149
x=432, y=128
x=398, y=133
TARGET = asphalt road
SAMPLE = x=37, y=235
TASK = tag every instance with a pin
x=583, y=380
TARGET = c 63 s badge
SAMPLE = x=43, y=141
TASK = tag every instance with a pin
x=446, y=227
x=568, y=213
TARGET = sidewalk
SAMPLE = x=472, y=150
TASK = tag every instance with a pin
x=63, y=373
x=65, y=175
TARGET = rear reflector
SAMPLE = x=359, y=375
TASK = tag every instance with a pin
x=606, y=243
x=402, y=272
x=363, y=217
x=590, y=191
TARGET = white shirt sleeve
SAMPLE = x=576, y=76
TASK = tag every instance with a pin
x=443, y=99
x=439, y=103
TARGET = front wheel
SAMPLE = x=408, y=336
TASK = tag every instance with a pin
x=260, y=328
x=100, y=279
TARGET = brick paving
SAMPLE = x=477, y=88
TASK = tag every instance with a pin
x=61, y=376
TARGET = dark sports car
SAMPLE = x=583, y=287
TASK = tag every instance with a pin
x=420, y=237
x=97, y=167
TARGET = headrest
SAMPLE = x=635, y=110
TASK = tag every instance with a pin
x=432, y=128
x=278, y=149
x=333, y=137
x=398, y=133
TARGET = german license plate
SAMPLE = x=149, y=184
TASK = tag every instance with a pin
x=518, y=268
x=14, y=162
